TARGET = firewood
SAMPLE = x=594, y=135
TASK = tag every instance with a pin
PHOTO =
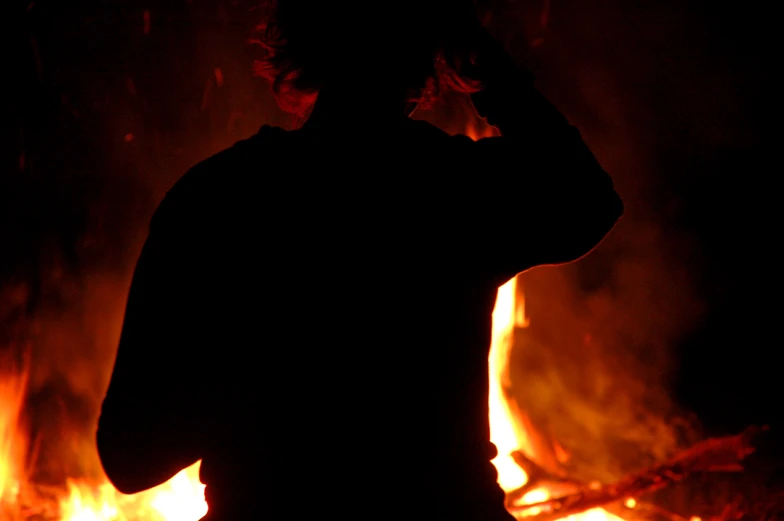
x=712, y=455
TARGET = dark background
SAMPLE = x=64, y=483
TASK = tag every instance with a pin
x=106, y=106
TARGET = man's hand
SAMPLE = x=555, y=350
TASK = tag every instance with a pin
x=475, y=53
x=487, y=61
x=503, y=84
x=478, y=57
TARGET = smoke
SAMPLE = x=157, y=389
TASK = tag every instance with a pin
x=594, y=369
x=656, y=93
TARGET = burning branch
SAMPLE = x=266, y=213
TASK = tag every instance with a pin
x=536, y=477
x=712, y=455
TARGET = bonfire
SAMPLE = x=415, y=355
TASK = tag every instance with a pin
x=538, y=486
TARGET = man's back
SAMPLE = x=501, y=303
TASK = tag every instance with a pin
x=360, y=312
x=324, y=306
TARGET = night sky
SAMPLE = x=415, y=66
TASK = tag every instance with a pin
x=107, y=103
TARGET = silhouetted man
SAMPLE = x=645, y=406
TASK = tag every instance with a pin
x=311, y=312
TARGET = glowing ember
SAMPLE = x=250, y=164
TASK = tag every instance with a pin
x=88, y=504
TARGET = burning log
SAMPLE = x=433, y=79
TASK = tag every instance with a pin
x=712, y=455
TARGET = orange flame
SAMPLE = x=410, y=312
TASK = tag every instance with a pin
x=179, y=499
x=506, y=432
x=12, y=441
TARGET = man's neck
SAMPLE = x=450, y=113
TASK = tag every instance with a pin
x=351, y=106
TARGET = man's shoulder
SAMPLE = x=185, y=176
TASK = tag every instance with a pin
x=209, y=186
x=227, y=167
x=430, y=131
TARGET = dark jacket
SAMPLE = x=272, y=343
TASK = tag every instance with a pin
x=311, y=314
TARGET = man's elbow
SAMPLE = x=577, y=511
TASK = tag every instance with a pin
x=584, y=229
x=126, y=459
x=597, y=223
x=139, y=455
x=595, y=228
x=609, y=215
x=117, y=460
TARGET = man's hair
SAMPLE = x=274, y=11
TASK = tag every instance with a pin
x=307, y=44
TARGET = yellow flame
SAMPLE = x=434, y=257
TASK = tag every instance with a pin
x=182, y=497
x=87, y=503
x=503, y=432
x=179, y=499
x=535, y=496
x=594, y=514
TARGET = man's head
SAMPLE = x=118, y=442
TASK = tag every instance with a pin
x=386, y=46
